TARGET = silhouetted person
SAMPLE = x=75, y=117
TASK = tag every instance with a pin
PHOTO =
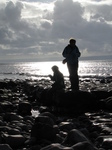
x=71, y=54
x=57, y=78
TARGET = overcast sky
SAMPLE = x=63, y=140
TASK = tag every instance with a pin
x=38, y=30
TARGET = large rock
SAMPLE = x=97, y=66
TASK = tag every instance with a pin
x=77, y=101
x=14, y=140
x=56, y=146
x=7, y=106
x=80, y=101
x=49, y=115
x=24, y=108
x=101, y=94
x=44, y=119
x=84, y=146
x=43, y=131
x=74, y=137
x=104, y=141
x=46, y=97
x=66, y=126
x=5, y=147
x=11, y=117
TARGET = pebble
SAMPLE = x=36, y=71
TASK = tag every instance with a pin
x=53, y=127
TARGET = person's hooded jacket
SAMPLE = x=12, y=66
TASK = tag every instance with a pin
x=71, y=54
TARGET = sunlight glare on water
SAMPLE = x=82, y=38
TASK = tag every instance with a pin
x=85, y=68
x=46, y=67
x=39, y=70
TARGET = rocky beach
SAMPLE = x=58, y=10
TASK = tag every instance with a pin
x=34, y=117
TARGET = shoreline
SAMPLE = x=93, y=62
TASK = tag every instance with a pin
x=74, y=120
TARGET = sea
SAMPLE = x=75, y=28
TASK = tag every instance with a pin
x=39, y=70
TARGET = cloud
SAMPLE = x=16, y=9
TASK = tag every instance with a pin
x=67, y=19
x=39, y=30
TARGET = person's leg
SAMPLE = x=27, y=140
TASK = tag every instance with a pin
x=74, y=79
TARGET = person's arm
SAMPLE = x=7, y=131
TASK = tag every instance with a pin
x=51, y=77
x=64, y=55
x=67, y=54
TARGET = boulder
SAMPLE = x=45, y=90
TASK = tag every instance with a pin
x=101, y=94
x=24, y=108
x=44, y=119
x=74, y=137
x=5, y=147
x=14, y=140
x=7, y=106
x=84, y=146
x=66, y=126
x=43, y=131
x=11, y=117
x=79, y=101
x=56, y=146
x=49, y=115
